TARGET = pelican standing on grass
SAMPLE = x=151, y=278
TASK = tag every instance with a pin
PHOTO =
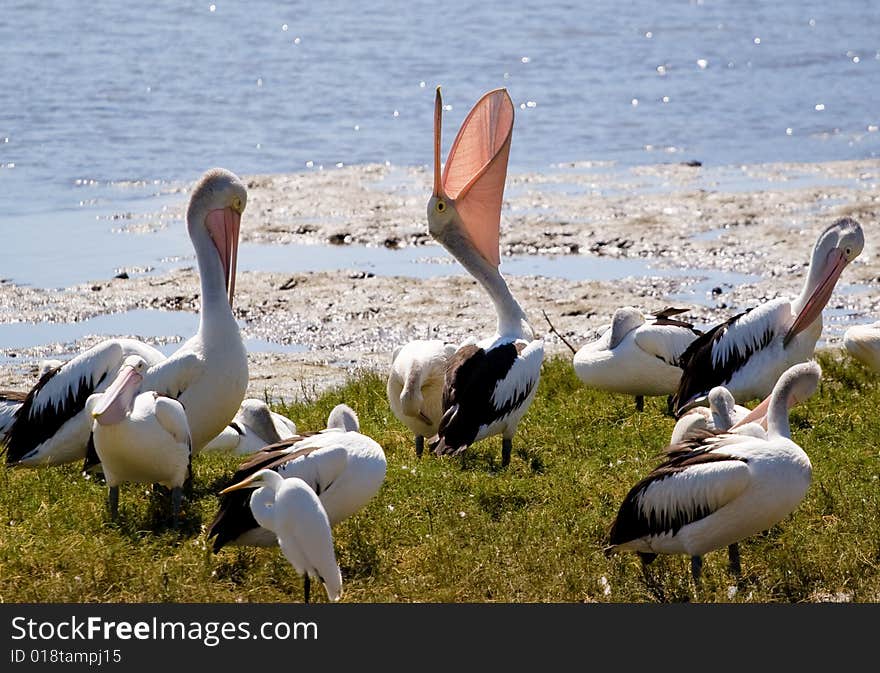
x=636, y=356
x=863, y=343
x=291, y=510
x=208, y=374
x=720, y=489
x=140, y=437
x=489, y=385
x=747, y=353
x=343, y=467
x=415, y=386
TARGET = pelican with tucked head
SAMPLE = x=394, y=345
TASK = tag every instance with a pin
x=863, y=343
x=415, y=386
x=490, y=384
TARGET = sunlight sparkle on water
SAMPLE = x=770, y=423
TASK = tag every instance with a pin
x=702, y=63
x=819, y=107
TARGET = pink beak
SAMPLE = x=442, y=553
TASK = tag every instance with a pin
x=223, y=225
x=834, y=266
x=115, y=401
x=476, y=168
x=756, y=415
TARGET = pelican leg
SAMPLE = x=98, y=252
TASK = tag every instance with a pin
x=670, y=407
x=640, y=402
x=506, y=448
x=307, y=586
x=733, y=557
x=176, y=501
x=650, y=582
x=113, y=502
x=696, y=568
x=420, y=445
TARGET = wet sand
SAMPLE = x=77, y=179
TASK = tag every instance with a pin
x=761, y=220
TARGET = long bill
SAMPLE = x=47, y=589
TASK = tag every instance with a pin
x=224, y=224
x=438, y=121
x=245, y=483
x=834, y=265
x=115, y=401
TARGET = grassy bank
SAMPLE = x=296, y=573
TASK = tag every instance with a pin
x=464, y=529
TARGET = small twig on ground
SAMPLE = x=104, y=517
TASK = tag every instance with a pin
x=553, y=330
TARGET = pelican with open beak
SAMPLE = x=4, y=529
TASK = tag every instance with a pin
x=488, y=385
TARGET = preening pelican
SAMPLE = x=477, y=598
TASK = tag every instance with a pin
x=863, y=343
x=252, y=428
x=718, y=490
x=140, y=437
x=747, y=353
x=415, y=386
x=342, y=466
x=637, y=355
x=722, y=413
x=489, y=385
x=208, y=374
x=291, y=510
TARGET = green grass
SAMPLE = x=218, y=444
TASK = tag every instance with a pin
x=463, y=529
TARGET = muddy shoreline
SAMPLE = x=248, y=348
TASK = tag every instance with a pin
x=757, y=220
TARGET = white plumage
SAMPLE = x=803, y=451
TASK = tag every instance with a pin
x=489, y=385
x=140, y=437
x=342, y=466
x=636, y=355
x=252, y=428
x=415, y=386
x=293, y=513
x=747, y=353
x=207, y=374
x=863, y=343
x=721, y=414
x=722, y=489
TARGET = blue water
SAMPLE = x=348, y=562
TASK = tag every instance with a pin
x=171, y=328
x=106, y=104
x=114, y=91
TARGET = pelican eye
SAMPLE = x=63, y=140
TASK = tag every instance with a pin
x=847, y=252
x=441, y=206
x=236, y=205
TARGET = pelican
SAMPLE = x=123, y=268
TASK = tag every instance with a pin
x=140, y=437
x=723, y=488
x=10, y=403
x=252, y=428
x=342, y=466
x=863, y=343
x=415, y=386
x=747, y=353
x=294, y=513
x=722, y=413
x=490, y=384
x=638, y=355
x=208, y=374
